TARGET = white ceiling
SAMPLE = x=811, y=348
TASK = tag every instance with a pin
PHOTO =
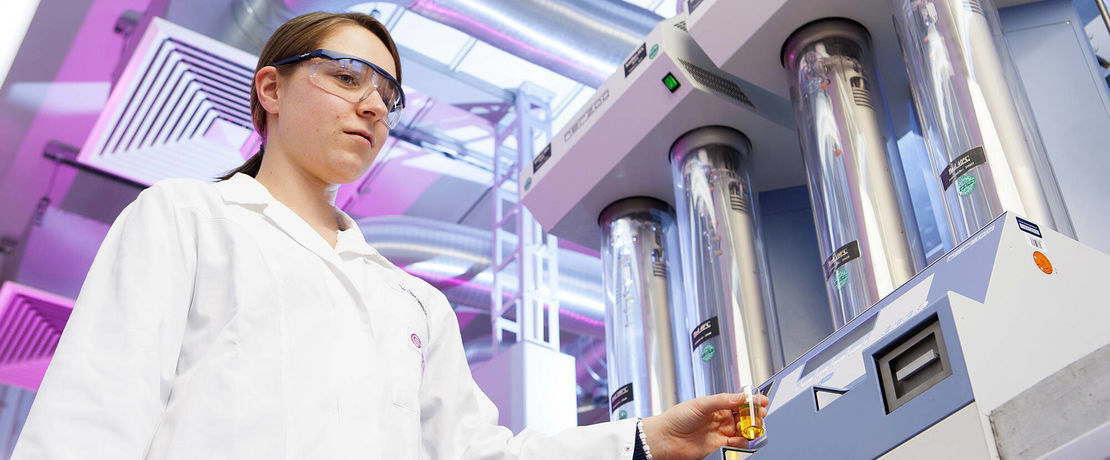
x=64, y=68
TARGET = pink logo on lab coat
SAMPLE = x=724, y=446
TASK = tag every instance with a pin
x=415, y=340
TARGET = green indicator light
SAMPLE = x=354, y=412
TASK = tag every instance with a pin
x=671, y=82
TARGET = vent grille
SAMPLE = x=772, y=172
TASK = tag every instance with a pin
x=658, y=261
x=182, y=109
x=717, y=83
x=31, y=323
x=974, y=6
x=659, y=269
x=681, y=25
x=861, y=94
x=738, y=203
x=862, y=98
x=736, y=200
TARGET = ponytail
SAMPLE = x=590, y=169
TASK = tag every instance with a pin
x=250, y=167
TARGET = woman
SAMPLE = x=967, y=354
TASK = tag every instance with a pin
x=250, y=319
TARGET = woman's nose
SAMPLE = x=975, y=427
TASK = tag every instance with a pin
x=373, y=106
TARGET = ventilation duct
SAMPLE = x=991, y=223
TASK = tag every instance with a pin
x=584, y=40
x=456, y=258
x=181, y=108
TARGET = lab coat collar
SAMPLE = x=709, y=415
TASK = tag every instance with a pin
x=244, y=190
x=351, y=240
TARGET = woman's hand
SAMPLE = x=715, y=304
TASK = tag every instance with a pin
x=694, y=429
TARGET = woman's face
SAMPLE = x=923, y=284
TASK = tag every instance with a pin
x=326, y=136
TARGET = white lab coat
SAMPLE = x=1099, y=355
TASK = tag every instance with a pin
x=217, y=324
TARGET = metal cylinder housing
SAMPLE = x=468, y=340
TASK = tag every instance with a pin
x=730, y=310
x=865, y=225
x=648, y=364
x=979, y=130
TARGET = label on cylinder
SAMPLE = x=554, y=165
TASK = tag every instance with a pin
x=961, y=165
x=965, y=185
x=705, y=331
x=841, y=256
x=622, y=396
x=707, y=352
x=841, y=278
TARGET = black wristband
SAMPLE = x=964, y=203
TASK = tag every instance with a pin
x=638, y=451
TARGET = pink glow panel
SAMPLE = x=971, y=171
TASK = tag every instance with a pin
x=31, y=322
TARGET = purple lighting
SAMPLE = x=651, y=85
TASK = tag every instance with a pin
x=505, y=41
x=31, y=322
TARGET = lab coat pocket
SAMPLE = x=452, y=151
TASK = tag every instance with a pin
x=408, y=366
x=407, y=344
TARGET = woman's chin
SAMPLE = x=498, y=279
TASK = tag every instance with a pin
x=346, y=176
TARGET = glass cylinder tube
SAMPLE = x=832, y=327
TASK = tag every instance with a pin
x=978, y=127
x=865, y=225
x=649, y=367
x=729, y=304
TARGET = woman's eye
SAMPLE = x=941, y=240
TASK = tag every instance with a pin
x=347, y=79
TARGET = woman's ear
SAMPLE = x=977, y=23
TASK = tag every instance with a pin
x=266, y=84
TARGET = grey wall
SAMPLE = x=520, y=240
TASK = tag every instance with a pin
x=790, y=239
x=1071, y=104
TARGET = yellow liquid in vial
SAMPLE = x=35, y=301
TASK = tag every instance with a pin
x=751, y=427
x=748, y=430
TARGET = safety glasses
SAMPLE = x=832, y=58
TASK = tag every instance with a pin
x=352, y=79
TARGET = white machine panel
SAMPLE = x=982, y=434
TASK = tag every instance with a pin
x=1002, y=341
x=617, y=145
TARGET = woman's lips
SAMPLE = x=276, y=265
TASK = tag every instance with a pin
x=362, y=137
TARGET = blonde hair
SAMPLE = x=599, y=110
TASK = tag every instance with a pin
x=297, y=36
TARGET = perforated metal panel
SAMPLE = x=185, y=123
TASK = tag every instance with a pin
x=716, y=83
x=31, y=322
x=180, y=109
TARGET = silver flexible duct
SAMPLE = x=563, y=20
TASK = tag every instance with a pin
x=584, y=40
x=455, y=259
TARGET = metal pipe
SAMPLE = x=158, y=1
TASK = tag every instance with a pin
x=648, y=366
x=728, y=297
x=455, y=259
x=865, y=225
x=556, y=35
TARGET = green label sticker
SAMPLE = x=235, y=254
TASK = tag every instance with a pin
x=623, y=414
x=707, y=352
x=965, y=184
x=527, y=184
x=654, y=51
x=841, y=278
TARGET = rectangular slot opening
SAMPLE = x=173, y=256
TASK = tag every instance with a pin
x=912, y=364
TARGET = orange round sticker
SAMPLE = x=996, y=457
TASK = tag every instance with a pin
x=1042, y=262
